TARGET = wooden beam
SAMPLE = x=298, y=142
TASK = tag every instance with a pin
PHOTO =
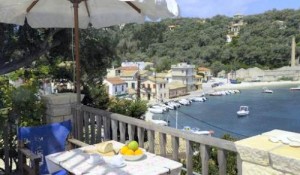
x=134, y=6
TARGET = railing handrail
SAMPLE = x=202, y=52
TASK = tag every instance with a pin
x=202, y=139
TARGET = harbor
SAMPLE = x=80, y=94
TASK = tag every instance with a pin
x=218, y=113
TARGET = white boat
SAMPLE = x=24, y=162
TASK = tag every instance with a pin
x=186, y=128
x=168, y=106
x=184, y=102
x=197, y=131
x=156, y=110
x=157, y=106
x=174, y=103
x=244, y=110
x=198, y=99
x=159, y=122
x=216, y=94
x=237, y=91
x=149, y=118
x=295, y=88
x=266, y=90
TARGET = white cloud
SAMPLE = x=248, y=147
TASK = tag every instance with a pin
x=209, y=8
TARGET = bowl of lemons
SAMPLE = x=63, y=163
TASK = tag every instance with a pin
x=131, y=151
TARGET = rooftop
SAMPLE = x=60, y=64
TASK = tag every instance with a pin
x=115, y=80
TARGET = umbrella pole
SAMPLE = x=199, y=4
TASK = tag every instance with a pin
x=76, y=34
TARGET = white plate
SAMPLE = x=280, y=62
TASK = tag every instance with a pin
x=294, y=144
x=133, y=158
x=94, y=162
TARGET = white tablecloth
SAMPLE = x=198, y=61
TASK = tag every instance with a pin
x=75, y=161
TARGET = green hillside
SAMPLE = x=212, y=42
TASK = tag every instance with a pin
x=264, y=41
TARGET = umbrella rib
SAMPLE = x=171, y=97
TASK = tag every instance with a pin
x=31, y=6
x=87, y=8
x=134, y=6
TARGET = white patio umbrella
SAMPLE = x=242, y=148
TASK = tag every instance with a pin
x=82, y=13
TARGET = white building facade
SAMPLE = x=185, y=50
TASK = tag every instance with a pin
x=115, y=86
x=184, y=73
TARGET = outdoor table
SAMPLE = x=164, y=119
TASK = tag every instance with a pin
x=75, y=162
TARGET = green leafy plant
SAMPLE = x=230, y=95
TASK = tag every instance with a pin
x=132, y=108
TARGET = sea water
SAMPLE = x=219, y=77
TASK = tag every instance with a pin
x=279, y=110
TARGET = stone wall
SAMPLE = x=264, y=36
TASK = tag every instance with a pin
x=58, y=106
x=270, y=154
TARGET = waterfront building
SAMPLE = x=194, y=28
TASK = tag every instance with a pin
x=154, y=89
x=115, y=86
x=184, y=73
x=206, y=72
x=128, y=74
x=167, y=76
x=198, y=81
x=176, y=89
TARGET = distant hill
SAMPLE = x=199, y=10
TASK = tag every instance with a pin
x=264, y=41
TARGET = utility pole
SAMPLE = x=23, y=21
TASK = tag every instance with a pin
x=138, y=91
x=155, y=86
x=293, y=52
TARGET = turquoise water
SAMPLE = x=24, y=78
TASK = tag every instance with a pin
x=280, y=110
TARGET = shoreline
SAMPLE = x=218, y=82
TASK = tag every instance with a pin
x=246, y=85
x=206, y=88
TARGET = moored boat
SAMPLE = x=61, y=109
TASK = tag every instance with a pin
x=266, y=90
x=156, y=110
x=197, y=131
x=244, y=110
x=295, y=88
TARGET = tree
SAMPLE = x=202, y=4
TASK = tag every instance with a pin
x=216, y=67
x=96, y=96
x=132, y=108
x=21, y=45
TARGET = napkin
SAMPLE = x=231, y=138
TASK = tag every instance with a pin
x=117, y=161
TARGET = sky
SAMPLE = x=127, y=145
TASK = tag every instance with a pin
x=210, y=8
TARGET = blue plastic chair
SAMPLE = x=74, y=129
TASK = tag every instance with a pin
x=44, y=140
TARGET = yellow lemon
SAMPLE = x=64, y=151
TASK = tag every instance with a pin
x=129, y=152
x=138, y=152
x=124, y=149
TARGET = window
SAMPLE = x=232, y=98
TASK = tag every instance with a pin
x=160, y=85
x=148, y=86
x=116, y=89
x=133, y=85
x=153, y=86
x=122, y=88
x=164, y=85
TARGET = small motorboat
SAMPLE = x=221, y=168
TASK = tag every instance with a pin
x=266, y=90
x=197, y=131
x=295, y=88
x=184, y=102
x=160, y=122
x=156, y=110
x=244, y=110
